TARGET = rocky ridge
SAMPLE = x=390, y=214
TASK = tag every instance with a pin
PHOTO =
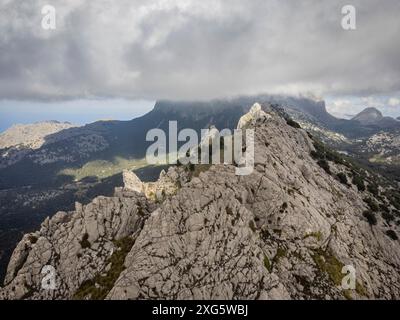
x=283, y=232
x=21, y=140
x=31, y=135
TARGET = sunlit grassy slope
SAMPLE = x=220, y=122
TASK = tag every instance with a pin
x=382, y=159
x=103, y=169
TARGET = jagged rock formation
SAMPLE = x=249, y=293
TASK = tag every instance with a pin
x=77, y=244
x=283, y=232
x=167, y=184
x=249, y=119
x=132, y=181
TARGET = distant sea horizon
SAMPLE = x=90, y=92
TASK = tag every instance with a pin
x=77, y=112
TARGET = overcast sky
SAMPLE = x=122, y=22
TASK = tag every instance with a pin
x=200, y=49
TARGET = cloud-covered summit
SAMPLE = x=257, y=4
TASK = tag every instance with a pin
x=196, y=49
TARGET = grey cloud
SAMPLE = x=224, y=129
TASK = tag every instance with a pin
x=197, y=49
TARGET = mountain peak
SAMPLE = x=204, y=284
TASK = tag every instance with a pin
x=369, y=115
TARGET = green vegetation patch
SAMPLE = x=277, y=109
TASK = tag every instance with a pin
x=293, y=123
x=358, y=181
x=374, y=189
x=85, y=242
x=372, y=204
x=329, y=264
x=267, y=264
x=370, y=216
x=342, y=177
x=32, y=239
x=392, y=235
x=317, y=235
x=324, y=165
x=322, y=152
x=394, y=198
x=103, y=169
x=101, y=285
x=280, y=253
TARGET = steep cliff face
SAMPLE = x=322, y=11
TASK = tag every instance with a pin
x=283, y=232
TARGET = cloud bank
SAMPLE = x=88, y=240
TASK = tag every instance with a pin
x=189, y=49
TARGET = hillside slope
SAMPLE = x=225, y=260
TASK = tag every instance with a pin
x=31, y=135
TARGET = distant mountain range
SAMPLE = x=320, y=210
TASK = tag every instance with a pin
x=369, y=116
x=373, y=117
x=41, y=154
x=31, y=135
x=46, y=167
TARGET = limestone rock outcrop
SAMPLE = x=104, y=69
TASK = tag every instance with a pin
x=167, y=184
x=132, y=181
x=75, y=245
